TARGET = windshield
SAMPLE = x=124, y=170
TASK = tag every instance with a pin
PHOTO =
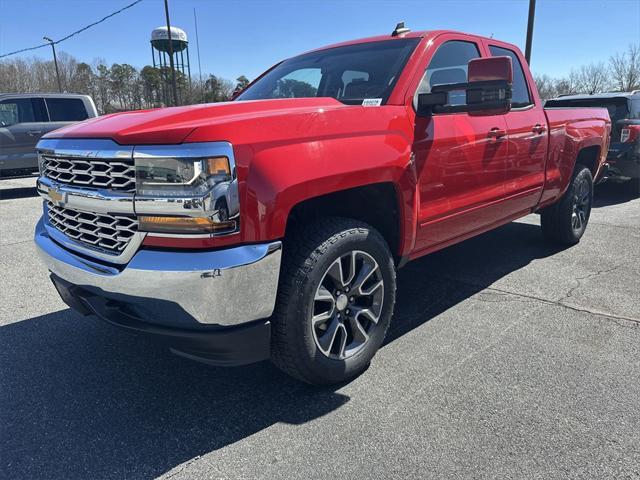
x=350, y=74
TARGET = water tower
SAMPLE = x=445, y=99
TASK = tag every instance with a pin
x=160, y=52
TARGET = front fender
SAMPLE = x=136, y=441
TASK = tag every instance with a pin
x=281, y=176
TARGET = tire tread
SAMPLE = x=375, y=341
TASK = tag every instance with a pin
x=553, y=219
x=304, y=248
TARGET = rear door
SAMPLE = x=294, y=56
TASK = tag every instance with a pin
x=65, y=111
x=527, y=138
x=460, y=158
x=22, y=122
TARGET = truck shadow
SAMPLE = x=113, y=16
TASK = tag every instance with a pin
x=18, y=192
x=611, y=193
x=81, y=399
x=435, y=283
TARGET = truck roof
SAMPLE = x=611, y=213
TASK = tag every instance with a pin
x=42, y=95
x=417, y=34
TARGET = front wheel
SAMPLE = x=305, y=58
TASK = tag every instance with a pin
x=566, y=221
x=335, y=301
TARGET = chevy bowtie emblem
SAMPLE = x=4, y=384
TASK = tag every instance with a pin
x=57, y=197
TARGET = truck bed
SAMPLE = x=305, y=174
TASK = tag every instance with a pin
x=570, y=130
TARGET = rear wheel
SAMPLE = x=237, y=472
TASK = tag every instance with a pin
x=566, y=221
x=335, y=301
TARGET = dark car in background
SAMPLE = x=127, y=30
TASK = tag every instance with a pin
x=623, y=158
x=25, y=117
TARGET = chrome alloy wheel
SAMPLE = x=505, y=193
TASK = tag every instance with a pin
x=347, y=305
x=581, y=206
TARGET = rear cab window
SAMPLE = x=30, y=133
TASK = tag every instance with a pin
x=520, y=97
x=66, y=109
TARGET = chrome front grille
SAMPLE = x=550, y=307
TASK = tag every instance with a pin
x=116, y=174
x=110, y=233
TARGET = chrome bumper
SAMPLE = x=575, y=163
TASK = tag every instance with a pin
x=178, y=288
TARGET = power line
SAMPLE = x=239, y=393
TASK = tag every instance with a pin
x=74, y=33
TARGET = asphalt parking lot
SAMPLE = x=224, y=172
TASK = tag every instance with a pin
x=507, y=358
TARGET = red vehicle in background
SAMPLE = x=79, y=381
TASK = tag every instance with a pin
x=272, y=226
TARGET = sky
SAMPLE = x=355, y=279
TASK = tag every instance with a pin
x=246, y=37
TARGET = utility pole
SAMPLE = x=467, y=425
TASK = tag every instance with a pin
x=55, y=61
x=174, y=87
x=195, y=20
x=532, y=14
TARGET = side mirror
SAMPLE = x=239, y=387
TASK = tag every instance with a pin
x=488, y=90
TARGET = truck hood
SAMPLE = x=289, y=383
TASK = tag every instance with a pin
x=174, y=125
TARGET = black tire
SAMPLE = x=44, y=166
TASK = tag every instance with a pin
x=310, y=251
x=565, y=221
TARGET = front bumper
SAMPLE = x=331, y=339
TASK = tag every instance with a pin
x=177, y=289
x=229, y=346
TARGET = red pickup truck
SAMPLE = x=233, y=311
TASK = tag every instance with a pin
x=272, y=226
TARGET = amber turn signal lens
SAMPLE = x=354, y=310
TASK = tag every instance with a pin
x=218, y=166
x=183, y=225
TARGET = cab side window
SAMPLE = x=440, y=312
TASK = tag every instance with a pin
x=520, y=94
x=448, y=65
x=19, y=110
x=22, y=110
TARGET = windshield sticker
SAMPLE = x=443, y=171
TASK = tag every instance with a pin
x=371, y=102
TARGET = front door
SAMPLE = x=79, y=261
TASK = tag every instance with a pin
x=460, y=158
x=527, y=133
x=22, y=122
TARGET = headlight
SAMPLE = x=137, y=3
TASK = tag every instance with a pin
x=189, y=188
x=179, y=177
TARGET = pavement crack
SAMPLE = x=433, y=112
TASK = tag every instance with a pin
x=617, y=319
x=579, y=281
x=16, y=243
x=500, y=296
x=183, y=467
x=623, y=227
x=610, y=316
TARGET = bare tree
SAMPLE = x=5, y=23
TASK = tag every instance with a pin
x=625, y=69
x=546, y=86
x=591, y=78
x=83, y=80
x=565, y=86
x=103, y=88
x=551, y=87
x=113, y=88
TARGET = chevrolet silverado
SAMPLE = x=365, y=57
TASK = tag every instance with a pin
x=272, y=226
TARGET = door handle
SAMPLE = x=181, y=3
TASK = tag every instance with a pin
x=33, y=133
x=539, y=128
x=497, y=133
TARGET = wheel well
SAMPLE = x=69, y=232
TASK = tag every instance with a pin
x=375, y=204
x=589, y=157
